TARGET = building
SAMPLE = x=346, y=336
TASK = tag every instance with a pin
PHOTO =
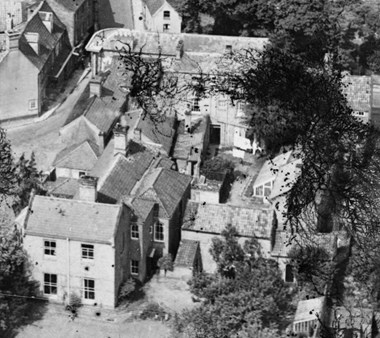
x=185, y=55
x=204, y=221
x=78, y=16
x=38, y=56
x=188, y=261
x=156, y=16
x=12, y=13
x=116, y=14
x=80, y=247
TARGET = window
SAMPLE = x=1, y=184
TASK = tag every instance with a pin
x=166, y=27
x=82, y=173
x=134, y=267
x=134, y=231
x=267, y=188
x=159, y=232
x=167, y=15
x=259, y=191
x=222, y=103
x=32, y=104
x=89, y=289
x=289, y=277
x=50, y=247
x=195, y=104
x=87, y=251
x=50, y=284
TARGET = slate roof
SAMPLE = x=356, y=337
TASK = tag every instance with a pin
x=116, y=13
x=187, y=252
x=63, y=187
x=165, y=186
x=78, y=220
x=307, y=309
x=154, y=5
x=101, y=115
x=158, y=132
x=82, y=156
x=142, y=207
x=78, y=131
x=123, y=176
x=71, y=5
x=213, y=218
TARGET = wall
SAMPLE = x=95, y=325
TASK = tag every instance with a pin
x=69, y=173
x=199, y=195
x=20, y=87
x=205, y=240
x=68, y=261
x=174, y=21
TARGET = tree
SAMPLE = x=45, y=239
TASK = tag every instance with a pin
x=15, y=282
x=7, y=170
x=166, y=263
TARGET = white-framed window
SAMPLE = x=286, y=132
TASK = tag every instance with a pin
x=49, y=247
x=159, y=232
x=166, y=27
x=240, y=109
x=134, y=267
x=194, y=104
x=267, y=189
x=50, y=284
x=166, y=15
x=87, y=251
x=32, y=104
x=134, y=231
x=89, y=288
x=222, y=103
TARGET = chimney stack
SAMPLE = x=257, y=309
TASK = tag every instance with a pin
x=87, y=188
x=47, y=19
x=34, y=41
x=120, y=140
x=13, y=40
x=137, y=134
x=179, y=50
x=96, y=86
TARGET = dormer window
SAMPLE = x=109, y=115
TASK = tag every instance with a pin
x=166, y=15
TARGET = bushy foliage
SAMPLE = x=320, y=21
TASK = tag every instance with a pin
x=127, y=288
x=152, y=311
x=166, y=263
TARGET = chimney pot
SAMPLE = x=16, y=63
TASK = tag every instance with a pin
x=13, y=40
x=120, y=140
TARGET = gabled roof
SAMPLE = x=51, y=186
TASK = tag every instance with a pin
x=82, y=156
x=187, y=253
x=214, y=218
x=101, y=115
x=308, y=309
x=123, y=176
x=77, y=220
x=80, y=130
x=63, y=187
x=165, y=186
x=142, y=207
x=154, y=5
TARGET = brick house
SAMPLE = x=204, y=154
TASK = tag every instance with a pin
x=38, y=54
x=77, y=15
x=79, y=246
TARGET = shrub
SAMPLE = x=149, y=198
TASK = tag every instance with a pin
x=153, y=310
x=127, y=288
x=74, y=300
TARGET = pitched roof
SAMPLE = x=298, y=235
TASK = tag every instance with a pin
x=166, y=186
x=100, y=115
x=71, y=5
x=77, y=220
x=213, y=218
x=270, y=168
x=187, y=252
x=142, y=207
x=123, y=176
x=154, y=5
x=79, y=130
x=63, y=187
x=116, y=13
x=82, y=156
x=308, y=309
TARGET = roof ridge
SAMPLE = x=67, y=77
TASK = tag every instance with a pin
x=75, y=201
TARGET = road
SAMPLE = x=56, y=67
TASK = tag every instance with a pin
x=42, y=137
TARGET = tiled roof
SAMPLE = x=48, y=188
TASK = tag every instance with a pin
x=142, y=207
x=110, y=39
x=187, y=252
x=123, y=176
x=81, y=156
x=166, y=186
x=71, y=5
x=214, y=218
x=77, y=220
x=270, y=168
x=158, y=132
x=78, y=131
x=116, y=13
x=154, y=5
x=63, y=187
x=358, y=92
x=100, y=115
x=308, y=309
